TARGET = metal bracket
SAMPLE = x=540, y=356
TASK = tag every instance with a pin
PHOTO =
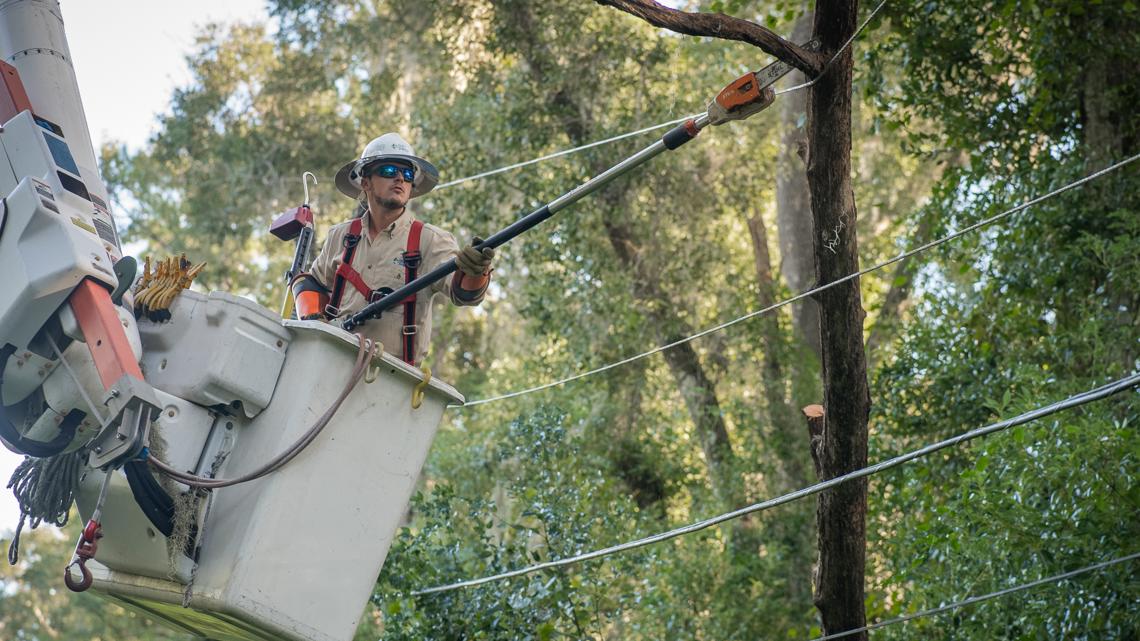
x=133, y=406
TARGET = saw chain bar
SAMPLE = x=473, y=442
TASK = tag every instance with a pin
x=751, y=93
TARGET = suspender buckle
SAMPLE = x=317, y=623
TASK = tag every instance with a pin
x=412, y=260
x=331, y=311
x=408, y=330
x=350, y=240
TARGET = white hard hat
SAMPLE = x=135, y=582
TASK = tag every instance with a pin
x=387, y=147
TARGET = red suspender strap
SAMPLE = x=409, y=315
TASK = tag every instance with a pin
x=345, y=270
x=411, y=261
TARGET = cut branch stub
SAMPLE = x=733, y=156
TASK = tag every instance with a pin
x=815, y=415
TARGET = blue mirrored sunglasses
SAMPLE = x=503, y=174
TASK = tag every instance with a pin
x=390, y=171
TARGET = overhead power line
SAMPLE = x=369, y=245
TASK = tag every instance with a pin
x=606, y=141
x=1056, y=578
x=1114, y=387
x=810, y=292
x=564, y=152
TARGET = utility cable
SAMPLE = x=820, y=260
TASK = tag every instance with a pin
x=1103, y=391
x=985, y=597
x=810, y=292
x=564, y=152
x=606, y=141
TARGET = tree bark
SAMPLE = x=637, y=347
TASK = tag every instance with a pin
x=1100, y=117
x=1110, y=131
x=797, y=369
x=840, y=512
x=636, y=467
x=782, y=436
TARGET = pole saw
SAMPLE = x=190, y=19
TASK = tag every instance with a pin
x=747, y=95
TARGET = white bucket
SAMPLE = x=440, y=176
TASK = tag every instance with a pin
x=295, y=555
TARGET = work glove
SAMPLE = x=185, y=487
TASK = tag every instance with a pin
x=474, y=262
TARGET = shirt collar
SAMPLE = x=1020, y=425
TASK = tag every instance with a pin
x=399, y=225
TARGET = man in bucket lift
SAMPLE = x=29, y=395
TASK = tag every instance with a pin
x=384, y=247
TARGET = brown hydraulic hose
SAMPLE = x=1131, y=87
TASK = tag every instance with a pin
x=366, y=352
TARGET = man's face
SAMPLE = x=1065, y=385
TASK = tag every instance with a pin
x=391, y=193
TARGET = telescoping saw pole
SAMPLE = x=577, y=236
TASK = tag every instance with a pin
x=745, y=96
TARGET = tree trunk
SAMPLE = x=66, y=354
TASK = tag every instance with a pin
x=1110, y=131
x=799, y=370
x=1100, y=116
x=842, y=446
x=636, y=467
x=784, y=433
x=842, y=439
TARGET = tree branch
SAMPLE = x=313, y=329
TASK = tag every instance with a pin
x=718, y=25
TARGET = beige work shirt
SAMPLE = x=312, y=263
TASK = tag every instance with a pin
x=379, y=261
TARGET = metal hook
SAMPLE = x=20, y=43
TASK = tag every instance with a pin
x=305, y=181
x=83, y=583
x=88, y=543
x=85, y=550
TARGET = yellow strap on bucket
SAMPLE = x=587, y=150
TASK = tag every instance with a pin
x=287, y=306
x=418, y=391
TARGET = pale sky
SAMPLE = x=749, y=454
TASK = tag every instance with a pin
x=128, y=56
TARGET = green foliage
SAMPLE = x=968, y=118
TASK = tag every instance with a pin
x=1019, y=98
x=230, y=156
x=552, y=498
x=545, y=508
x=1042, y=499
